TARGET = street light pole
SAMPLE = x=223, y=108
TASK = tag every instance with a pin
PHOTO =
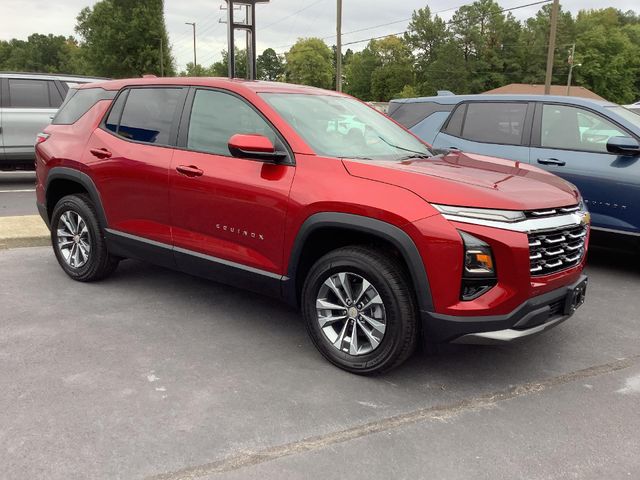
x=195, y=63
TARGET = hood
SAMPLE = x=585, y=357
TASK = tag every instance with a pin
x=471, y=180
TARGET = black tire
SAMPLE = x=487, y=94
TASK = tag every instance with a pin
x=99, y=263
x=386, y=274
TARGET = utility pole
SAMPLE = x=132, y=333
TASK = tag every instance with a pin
x=339, y=47
x=161, y=59
x=195, y=63
x=552, y=46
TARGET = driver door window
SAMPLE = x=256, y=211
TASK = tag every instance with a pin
x=572, y=128
x=216, y=117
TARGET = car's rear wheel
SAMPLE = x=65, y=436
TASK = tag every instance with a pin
x=78, y=240
x=359, y=310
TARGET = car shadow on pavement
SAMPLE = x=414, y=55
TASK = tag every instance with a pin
x=438, y=374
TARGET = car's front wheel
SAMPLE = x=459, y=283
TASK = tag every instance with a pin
x=78, y=240
x=359, y=310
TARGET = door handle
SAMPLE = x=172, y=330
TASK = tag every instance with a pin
x=189, y=170
x=551, y=161
x=100, y=152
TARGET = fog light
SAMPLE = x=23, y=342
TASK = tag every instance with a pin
x=479, y=273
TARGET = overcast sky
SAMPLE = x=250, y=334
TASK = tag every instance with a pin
x=280, y=22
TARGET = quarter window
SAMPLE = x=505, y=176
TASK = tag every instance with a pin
x=148, y=115
x=217, y=116
x=574, y=128
x=497, y=122
x=28, y=93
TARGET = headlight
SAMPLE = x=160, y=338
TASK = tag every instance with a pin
x=481, y=213
x=479, y=272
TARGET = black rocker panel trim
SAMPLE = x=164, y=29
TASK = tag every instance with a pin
x=373, y=227
x=194, y=263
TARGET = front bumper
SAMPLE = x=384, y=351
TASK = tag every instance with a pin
x=530, y=318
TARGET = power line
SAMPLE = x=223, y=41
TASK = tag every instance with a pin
x=450, y=22
x=291, y=15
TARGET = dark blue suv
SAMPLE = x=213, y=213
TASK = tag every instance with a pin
x=593, y=144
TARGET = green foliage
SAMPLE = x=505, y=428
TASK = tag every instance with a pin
x=221, y=68
x=270, y=66
x=309, y=62
x=381, y=70
x=41, y=53
x=123, y=38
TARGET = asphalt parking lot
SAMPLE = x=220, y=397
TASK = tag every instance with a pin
x=155, y=374
x=17, y=193
x=152, y=374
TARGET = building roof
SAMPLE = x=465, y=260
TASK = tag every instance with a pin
x=534, y=89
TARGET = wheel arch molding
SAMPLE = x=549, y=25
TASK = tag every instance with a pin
x=374, y=230
x=71, y=175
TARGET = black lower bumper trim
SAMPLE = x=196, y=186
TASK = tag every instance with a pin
x=535, y=312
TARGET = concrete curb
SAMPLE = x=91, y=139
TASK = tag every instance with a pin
x=23, y=231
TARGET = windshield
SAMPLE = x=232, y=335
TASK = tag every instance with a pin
x=344, y=127
x=628, y=115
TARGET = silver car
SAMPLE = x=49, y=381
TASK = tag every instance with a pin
x=28, y=101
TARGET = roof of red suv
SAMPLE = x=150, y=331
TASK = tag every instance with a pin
x=234, y=84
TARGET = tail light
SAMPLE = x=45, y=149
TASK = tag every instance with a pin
x=41, y=137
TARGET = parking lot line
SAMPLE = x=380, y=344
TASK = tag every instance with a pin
x=19, y=191
x=438, y=412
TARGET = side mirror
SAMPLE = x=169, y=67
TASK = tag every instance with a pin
x=623, y=146
x=256, y=147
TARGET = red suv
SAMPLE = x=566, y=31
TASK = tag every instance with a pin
x=316, y=198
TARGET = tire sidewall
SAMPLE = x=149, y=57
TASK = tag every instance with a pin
x=76, y=204
x=385, y=352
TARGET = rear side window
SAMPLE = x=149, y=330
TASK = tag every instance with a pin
x=79, y=102
x=148, y=115
x=454, y=125
x=30, y=93
x=411, y=113
x=497, y=122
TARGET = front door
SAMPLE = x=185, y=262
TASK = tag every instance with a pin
x=571, y=142
x=227, y=213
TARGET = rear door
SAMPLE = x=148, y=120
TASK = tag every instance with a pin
x=571, y=142
x=497, y=129
x=129, y=158
x=29, y=105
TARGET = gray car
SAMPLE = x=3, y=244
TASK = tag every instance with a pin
x=28, y=101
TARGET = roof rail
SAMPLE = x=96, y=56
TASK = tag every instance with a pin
x=445, y=93
x=71, y=75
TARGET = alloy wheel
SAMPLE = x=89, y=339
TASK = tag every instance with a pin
x=351, y=313
x=74, y=240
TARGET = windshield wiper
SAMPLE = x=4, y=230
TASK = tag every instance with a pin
x=416, y=153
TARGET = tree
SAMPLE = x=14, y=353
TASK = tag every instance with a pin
x=309, y=62
x=381, y=70
x=221, y=67
x=123, y=38
x=41, y=53
x=270, y=66
x=395, y=70
x=609, y=54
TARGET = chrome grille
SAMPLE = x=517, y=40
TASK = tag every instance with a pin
x=550, y=212
x=556, y=250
